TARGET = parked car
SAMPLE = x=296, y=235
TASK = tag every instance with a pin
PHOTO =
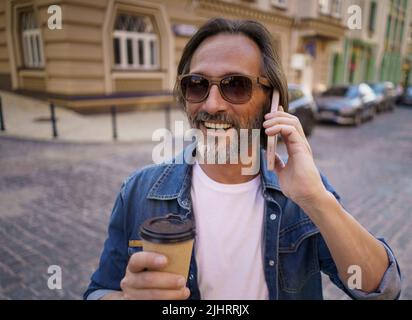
x=400, y=90
x=386, y=95
x=347, y=104
x=406, y=97
x=303, y=106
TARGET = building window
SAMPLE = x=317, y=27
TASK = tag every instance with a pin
x=410, y=28
x=31, y=39
x=135, y=43
x=280, y=3
x=324, y=6
x=330, y=7
x=336, y=8
x=401, y=32
x=388, y=28
x=395, y=31
x=372, y=17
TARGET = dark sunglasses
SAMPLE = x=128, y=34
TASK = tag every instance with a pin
x=235, y=88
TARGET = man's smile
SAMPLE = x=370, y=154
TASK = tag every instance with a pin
x=216, y=125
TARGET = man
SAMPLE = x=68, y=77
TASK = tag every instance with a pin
x=261, y=236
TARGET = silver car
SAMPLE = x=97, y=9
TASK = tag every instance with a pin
x=302, y=105
x=386, y=95
x=347, y=104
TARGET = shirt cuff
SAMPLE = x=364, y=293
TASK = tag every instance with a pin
x=99, y=293
x=390, y=286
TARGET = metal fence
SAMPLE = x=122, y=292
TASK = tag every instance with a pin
x=113, y=112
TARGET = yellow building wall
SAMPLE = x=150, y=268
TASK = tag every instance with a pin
x=4, y=60
x=75, y=57
x=74, y=54
x=186, y=13
x=34, y=83
x=136, y=85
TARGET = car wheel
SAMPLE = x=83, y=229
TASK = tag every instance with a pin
x=372, y=113
x=358, y=119
x=309, y=126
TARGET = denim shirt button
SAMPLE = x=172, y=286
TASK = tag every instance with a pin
x=272, y=216
x=191, y=277
x=271, y=263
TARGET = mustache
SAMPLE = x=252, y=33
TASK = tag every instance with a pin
x=220, y=117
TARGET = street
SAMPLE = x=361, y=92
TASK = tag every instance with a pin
x=56, y=198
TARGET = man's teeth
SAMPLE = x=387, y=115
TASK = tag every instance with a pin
x=211, y=125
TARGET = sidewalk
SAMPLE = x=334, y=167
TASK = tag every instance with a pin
x=30, y=118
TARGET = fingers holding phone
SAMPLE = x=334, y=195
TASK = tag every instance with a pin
x=272, y=140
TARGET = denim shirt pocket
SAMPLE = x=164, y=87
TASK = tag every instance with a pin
x=134, y=246
x=298, y=256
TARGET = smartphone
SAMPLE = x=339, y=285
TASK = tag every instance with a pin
x=272, y=140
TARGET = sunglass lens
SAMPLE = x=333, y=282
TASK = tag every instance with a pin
x=194, y=88
x=237, y=89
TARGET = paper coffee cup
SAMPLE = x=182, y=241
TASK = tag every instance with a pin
x=172, y=236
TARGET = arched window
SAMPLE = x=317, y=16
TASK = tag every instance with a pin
x=135, y=43
x=32, y=44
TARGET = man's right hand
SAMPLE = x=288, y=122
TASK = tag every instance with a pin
x=144, y=280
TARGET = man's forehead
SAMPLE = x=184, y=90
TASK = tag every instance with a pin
x=225, y=54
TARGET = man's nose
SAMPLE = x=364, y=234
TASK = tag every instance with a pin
x=214, y=101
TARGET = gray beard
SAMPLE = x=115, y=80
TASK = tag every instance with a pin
x=214, y=152
x=229, y=149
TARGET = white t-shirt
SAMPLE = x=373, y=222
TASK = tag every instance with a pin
x=229, y=224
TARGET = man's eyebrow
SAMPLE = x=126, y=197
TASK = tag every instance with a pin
x=221, y=75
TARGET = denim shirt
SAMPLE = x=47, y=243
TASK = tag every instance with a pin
x=294, y=251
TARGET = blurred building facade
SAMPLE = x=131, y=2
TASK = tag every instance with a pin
x=407, y=63
x=108, y=47
x=378, y=50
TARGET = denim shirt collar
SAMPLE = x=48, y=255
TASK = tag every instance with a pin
x=175, y=180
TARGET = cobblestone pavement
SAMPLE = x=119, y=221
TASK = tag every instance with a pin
x=56, y=199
